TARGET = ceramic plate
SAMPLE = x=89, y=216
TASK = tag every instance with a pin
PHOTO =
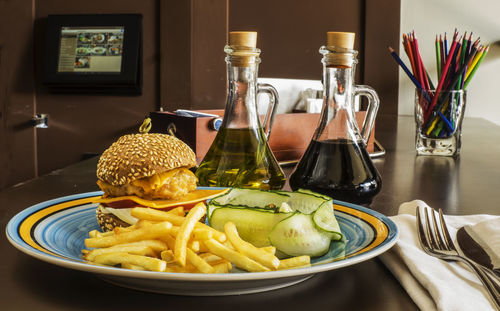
x=54, y=231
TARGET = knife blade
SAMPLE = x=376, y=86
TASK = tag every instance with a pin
x=472, y=249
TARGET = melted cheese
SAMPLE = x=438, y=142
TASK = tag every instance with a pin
x=172, y=184
x=192, y=197
x=156, y=181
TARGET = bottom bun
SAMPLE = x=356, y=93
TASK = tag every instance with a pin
x=108, y=221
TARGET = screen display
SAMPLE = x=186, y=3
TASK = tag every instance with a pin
x=91, y=49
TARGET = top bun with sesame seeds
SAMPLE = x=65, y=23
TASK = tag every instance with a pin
x=151, y=166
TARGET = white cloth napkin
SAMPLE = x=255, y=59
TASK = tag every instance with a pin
x=435, y=284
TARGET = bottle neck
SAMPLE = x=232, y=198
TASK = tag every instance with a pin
x=337, y=119
x=241, y=101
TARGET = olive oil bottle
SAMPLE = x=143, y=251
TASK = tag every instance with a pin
x=240, y=155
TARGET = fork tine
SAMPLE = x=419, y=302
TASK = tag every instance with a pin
x=444, y=228
x=439, y=240
x=430, y=232
x=421, y=232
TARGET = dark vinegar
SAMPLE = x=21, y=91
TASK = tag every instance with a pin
x=341, y=169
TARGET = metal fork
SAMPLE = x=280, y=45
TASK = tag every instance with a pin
x=442, y=247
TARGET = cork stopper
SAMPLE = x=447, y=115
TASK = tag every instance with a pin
x=340, y=39
x=243, y=51
x=339, y=49
x=243, y=38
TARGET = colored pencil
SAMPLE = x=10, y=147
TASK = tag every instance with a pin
x=475, y=66
x=441, y=81
x=438, y=57
x=405, y=69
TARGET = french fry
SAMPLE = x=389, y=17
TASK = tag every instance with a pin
x=136, y=249
x=295, y=262
x=260, y=256
x=217, y=235
x=203, y=248
x=156, y=215
x=143, y=223
x=223, y=266
x=139, y=224
x=239, y=260
x=229, y=245
x=98, y=234
x=189, y=268
x=202, y=234
x=179, y=211
x=167, y=255
x=170, y=240
x=174, y=230
x=198, y=262
x=132, y=267
x=209, y=257
x=146, y=233
x=197, y=234
x=193, y=216
x=269, y=249
x=119, y=230
x=194, y=245
x=148, y=263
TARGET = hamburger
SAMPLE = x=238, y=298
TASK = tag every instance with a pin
x=146, y=170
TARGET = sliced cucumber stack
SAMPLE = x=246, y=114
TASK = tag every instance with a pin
x=296, y=223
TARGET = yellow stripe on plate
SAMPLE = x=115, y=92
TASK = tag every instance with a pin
x=30, y=221
x=381, y=230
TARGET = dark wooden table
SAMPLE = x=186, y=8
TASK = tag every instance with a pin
x=466, y=185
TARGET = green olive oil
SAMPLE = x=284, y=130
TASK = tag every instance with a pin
x=238, y=158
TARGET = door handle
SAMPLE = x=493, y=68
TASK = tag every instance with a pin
x=40, y=120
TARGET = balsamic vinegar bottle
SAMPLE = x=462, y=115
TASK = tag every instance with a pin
x=336, y=162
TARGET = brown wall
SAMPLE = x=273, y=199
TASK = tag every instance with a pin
x=290, y=34
x=183, y=66
x=17, y=149
x=193, y=74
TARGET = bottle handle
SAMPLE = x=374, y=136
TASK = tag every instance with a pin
x=371, y=112
x=273, y=104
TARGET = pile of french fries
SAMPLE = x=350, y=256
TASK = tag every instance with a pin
x=170, y=241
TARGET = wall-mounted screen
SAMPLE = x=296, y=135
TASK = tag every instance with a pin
x=93, y=53
x=91, y=49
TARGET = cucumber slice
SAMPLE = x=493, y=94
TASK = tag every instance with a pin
x=324, y=219
x=251, y=198
x=305, y=203
x=297, y=235
x=326, y=197
x=253, y=224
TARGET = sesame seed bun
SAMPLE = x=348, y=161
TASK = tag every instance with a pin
x=138, y=156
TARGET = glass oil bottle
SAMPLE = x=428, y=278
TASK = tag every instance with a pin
x=240, y=155
x=336, y=162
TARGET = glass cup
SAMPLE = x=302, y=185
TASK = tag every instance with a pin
x=439, y=122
